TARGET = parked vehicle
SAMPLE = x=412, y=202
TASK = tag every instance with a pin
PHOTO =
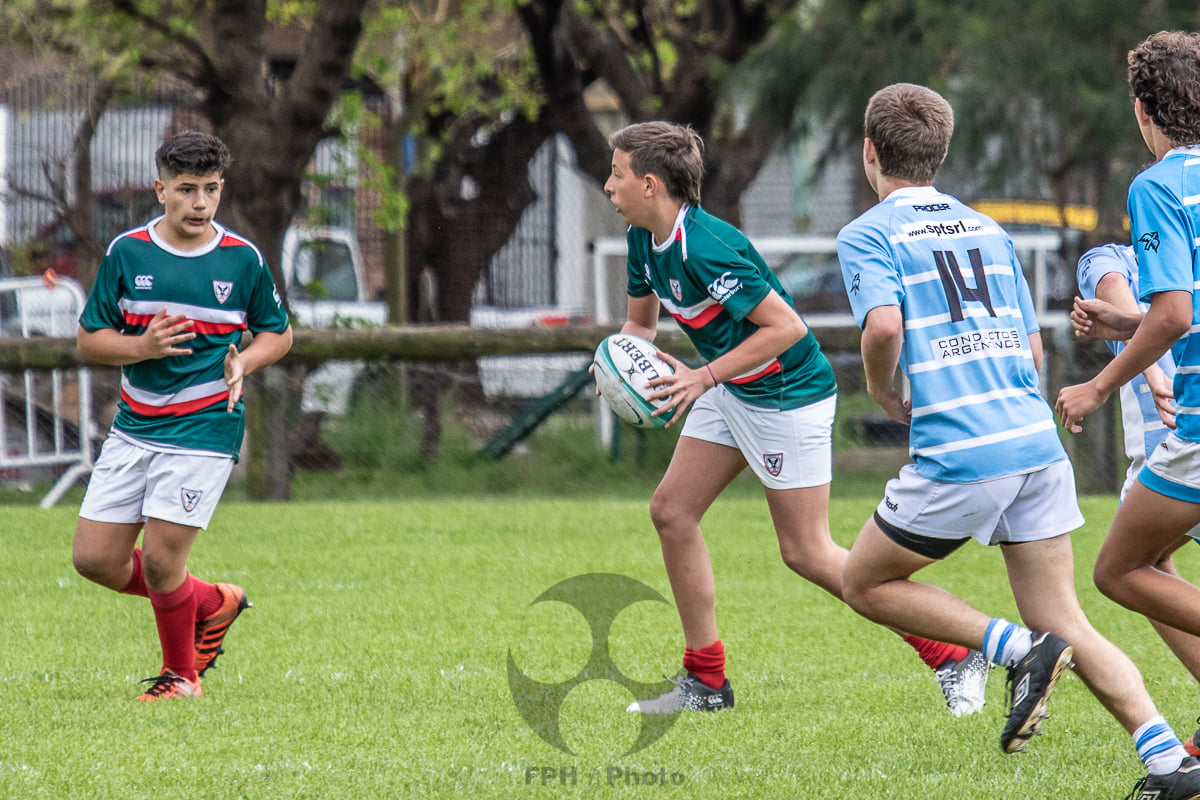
x=326, y=283
x=326, y=278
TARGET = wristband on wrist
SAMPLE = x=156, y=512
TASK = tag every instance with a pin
x=710, y=374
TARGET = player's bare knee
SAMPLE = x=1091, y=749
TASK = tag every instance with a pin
x=156, y=573
x=668, y=515
x=1107, y=578
x=859, y=595
x=93, y=566
x=794, y=561
x=804, y=563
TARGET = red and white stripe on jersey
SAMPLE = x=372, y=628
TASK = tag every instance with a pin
x=204, y=320
x=762, y=370
x=185, y=401
x=695, y=316
x=229, y=239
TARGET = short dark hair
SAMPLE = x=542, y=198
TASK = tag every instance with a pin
x=192, y=153
x=673, y=152
x=910, y=126
x=1164, y=73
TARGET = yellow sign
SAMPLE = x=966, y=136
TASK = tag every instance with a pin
x=1026, y=212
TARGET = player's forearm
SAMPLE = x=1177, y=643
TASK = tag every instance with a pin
x=882, y=340
x=1169, y=318
x=634, y=329
x=881, y=356
x=757, y=349
x=641, y=317
x=111, y=347
x=1114, y=290
x=265, y=350
x=1037, y=349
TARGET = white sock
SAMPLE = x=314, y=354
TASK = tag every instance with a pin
x=1158, y=747
x=1006, y=643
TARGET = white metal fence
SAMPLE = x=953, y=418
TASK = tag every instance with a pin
x=46, y=421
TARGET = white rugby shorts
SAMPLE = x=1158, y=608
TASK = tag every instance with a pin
x=787, y=449
x=131, y=483
x=1016, y=508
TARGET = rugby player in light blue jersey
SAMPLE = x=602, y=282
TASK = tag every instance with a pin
x=1164, y=218
x=765, y=397
x=1109, y=274
x=940, y=294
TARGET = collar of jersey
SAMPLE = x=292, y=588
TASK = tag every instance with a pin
x=677, y=233
x=200, y=251
x=1185, y=150
x=912, y=191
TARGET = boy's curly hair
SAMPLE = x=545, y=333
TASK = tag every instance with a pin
x=1164, y=73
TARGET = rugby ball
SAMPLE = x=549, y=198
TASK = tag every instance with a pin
x=624, y=364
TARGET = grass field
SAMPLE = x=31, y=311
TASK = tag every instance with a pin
x=373, y=665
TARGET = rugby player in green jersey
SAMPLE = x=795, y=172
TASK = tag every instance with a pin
x=765, y=397
x=170, y=304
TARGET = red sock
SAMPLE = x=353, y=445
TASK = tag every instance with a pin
x=175, y=617
x=137, y=584
x=707, y=664
x=935, y=653
x=208, y=597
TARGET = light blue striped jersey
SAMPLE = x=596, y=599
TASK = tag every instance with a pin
x=1164, y=201
x=977, y=411
x=1144, y=428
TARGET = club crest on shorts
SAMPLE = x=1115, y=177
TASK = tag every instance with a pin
x=774, y=463
x=190, y=498
x=222, y=290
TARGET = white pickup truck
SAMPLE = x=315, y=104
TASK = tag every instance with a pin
x=327, y=288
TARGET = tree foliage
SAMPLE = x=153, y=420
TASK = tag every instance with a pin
x=215, y=51
x=651, y=59
x=1038, y=87
x=479, y=85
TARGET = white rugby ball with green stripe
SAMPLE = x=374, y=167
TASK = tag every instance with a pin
x=624, y=364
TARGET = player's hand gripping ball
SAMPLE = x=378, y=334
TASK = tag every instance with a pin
x=624, y=364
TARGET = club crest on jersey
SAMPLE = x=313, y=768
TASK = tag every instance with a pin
x=676, y=290
x=1149, y=241
x=222, y=289
x=774, y=463
x=190, y=498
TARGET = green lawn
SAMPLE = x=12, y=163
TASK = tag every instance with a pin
x=373, y=665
